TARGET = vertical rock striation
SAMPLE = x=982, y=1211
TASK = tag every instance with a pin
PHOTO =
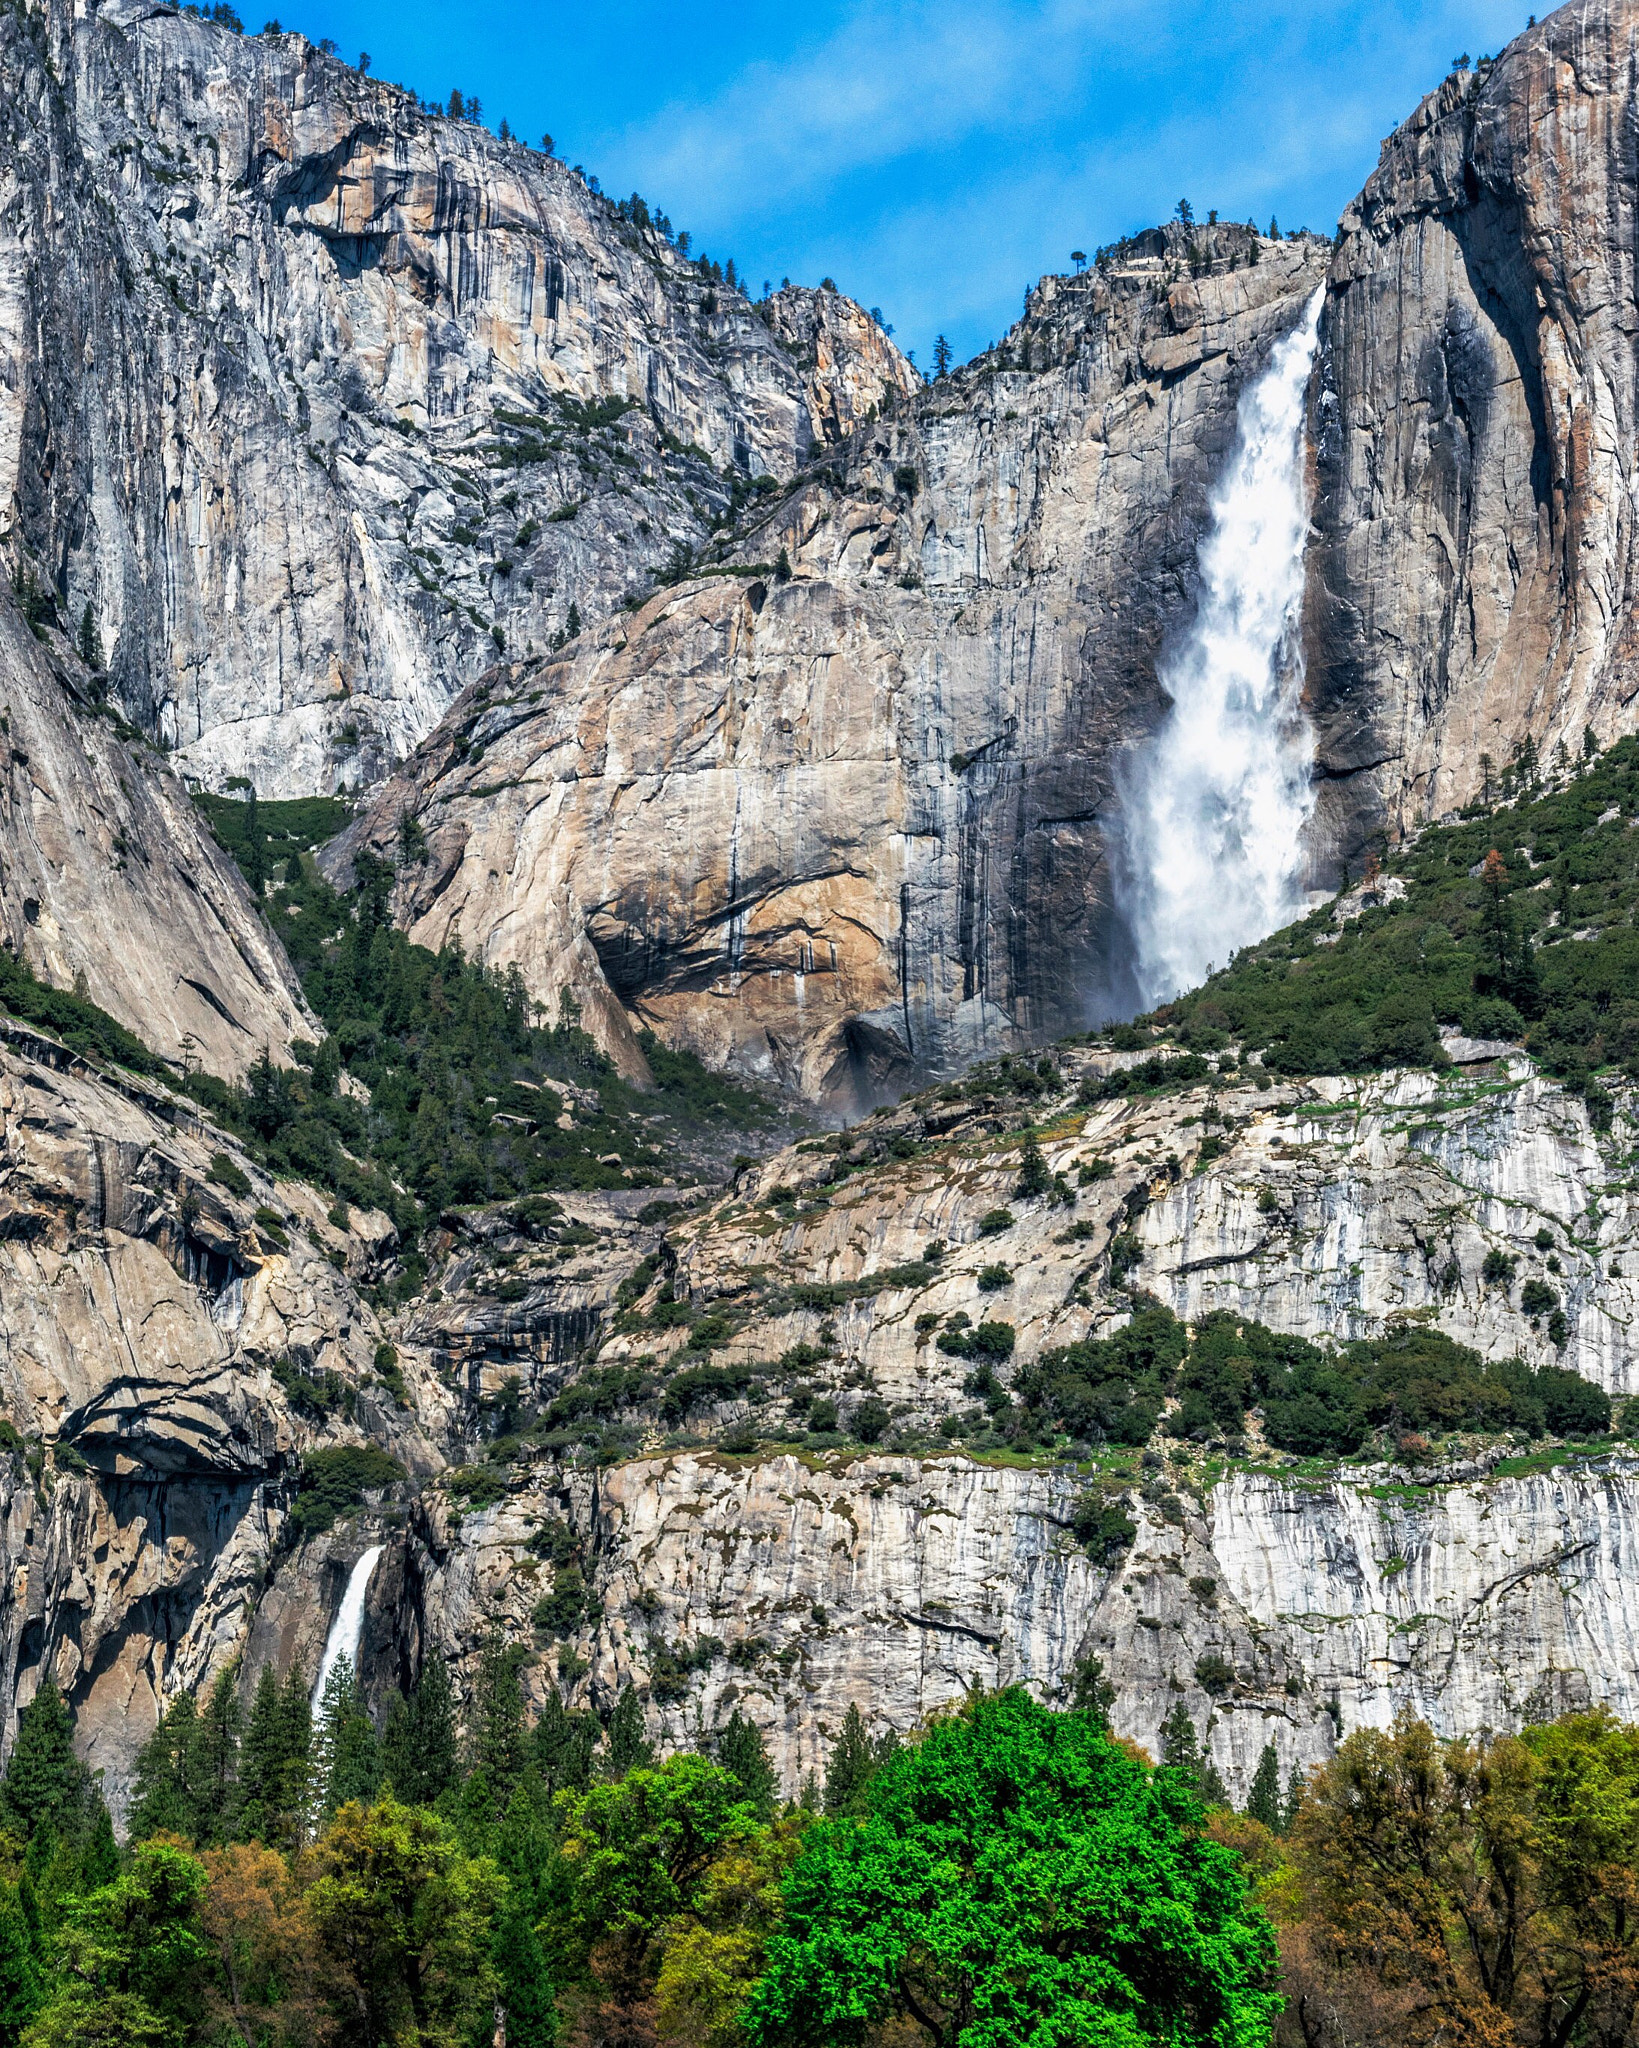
x=851, y=827
x=1471, y=582
x=318, y=399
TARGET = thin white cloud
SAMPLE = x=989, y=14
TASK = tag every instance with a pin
x=890, y=80
x=936, y=157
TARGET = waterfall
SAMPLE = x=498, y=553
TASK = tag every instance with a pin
x=348, y=1626
x=1215, y=804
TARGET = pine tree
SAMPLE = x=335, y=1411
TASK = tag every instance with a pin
x=1180, y=1745
x=571, y=625
x=628, y=1750
x=47, y=1791
x=528, y=2001
x=1294, y=1799
x=562, y=1744
x=90, y=641
x=296, y=1720
x=495, y=1721
x=254, y=863
x=941, y=356
x=21, y=1984
x=262, y=1762
x=1090, y=1691
x=99, y=1856
x=435, y=1733
x=1034, y=1177
x=741, y=1752
x=1263, y=1800
x=273, y=1766
x=424, y=1765
x=210, y=1768
x=851, y=1766
x=345, y=1762
x=161, y=1802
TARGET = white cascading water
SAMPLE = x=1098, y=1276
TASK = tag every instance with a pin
x=348, y=1626
x=1214, y=807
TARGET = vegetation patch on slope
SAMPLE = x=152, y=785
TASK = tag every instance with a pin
x=1515, y=923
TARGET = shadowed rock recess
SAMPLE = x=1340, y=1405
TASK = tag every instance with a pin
x=693, y=658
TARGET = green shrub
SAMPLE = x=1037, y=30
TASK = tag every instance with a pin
x=993, y=1278
x=1102, y=1527
x=994, y=1221
x=568, y=1604
x=1214, y=1674
x=476, y=1486
x=272, y=1226
x=870, y=1420
x=981, y=1340
x=335, y=1481
x=315, y=1395
x=227, y=1175
x=1498, y=1269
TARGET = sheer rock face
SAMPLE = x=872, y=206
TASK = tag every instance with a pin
x=110, y=880
x=294, y=382
x=851, y=827
x=150, y=1327
x=897, y=1583
x=1476, y=447
x=145, y=1318
x=1474, y=1598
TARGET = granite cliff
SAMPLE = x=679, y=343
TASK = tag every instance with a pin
x=318, y=413
x=897, y=775
x=1470, y=585
x=318, y=399
x=173, y=1350
x=847, y=827
x=110, y=881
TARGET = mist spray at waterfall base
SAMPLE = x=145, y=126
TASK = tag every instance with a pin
x=1215, y=805
x=348, y=1626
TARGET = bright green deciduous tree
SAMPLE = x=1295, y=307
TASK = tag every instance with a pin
x=128, y=1962
x=1018, y=1879
x=404, y=1921
x=637, y=1850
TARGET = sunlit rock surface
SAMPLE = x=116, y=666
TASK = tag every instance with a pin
x=300, y=387
x=848, y=828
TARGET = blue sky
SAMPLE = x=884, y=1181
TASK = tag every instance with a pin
x=935, y=159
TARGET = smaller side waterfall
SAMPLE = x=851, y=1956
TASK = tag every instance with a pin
x=348, y=1626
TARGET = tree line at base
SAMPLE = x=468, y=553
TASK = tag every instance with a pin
x=1011, y=1876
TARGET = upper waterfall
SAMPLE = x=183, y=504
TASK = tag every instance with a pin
x=348, y=1626
x=1215, y=805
